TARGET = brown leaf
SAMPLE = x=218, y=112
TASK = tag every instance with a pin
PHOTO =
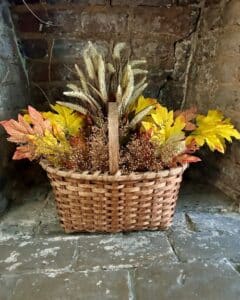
x=188, y=115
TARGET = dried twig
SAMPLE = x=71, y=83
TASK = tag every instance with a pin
x=50, y=60
x=48, y=23
x=43, y=92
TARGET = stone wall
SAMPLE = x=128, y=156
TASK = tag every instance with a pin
x=13, y=97
x=15, y=177
x=214, y=82
x=160, y=30
x=192, y=48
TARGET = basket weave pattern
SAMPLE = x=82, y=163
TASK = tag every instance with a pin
x=114, y=203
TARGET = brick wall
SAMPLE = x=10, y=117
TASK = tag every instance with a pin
x=192, y=48
x=13, y=97
x=214, y=82
x=160, y=30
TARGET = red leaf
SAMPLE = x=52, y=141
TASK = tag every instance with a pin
x=186, y=158
x=40, y=125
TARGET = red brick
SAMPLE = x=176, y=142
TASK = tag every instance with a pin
x=26, y=22
x=159, y=53
x=100, y=20
x=73, y=48
x=143, y=2
x=189, y=2
x=105, y=21
x=39, y=72
x=178, y=21
x=35, y=48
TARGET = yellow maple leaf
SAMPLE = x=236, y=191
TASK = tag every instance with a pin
x=213, y=130
x=65, y=119
x=142, y=103
x=50, y=146
x=177, y=128
x=162, y=125
x=162, y=117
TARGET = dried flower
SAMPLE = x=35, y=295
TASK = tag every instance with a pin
x=139, y=155
x=98, y=148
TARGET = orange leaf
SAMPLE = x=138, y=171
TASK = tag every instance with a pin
x=23, y=152
x=188, y=115
x=186, y=158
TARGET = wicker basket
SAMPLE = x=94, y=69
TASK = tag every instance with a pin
x=114, y=202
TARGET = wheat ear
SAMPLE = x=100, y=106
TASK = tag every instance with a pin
x=82, y=79
x=136, y=94
x=94, y=54
x=119, y=94
x=111, y=68
x=87, y=98
x=134, y=63
x=140, y=83
x=89, y=64
x=73, y=87
x=117, y=50
x=129, y=89
x=76, y=107
x=102, y=78
x=139, y=71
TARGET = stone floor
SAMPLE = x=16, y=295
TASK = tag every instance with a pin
x=198, y=258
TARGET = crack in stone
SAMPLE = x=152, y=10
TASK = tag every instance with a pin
x=192, y=226
x=235, y=265
x=171, y=243
x=237, y=268
x=36, y=228
x=181, y=279
x=131, y=294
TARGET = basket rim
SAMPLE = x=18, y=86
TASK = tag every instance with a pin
x=86, y=175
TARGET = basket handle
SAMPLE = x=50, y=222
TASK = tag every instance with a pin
x=113, y=137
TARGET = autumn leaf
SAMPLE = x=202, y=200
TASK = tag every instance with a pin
x=19, y=130
x=38, y=122
x=188, y=115
x=177, y=128
x=24, y=151
x=186, y=158
x=50, y=145
x=213, y=130
x=162, y=117
x=140, y=116
x=143, y=103
x=35, y=136
x=162, y=126
x=65, y=118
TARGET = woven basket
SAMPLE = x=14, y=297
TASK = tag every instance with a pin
x=114, y=202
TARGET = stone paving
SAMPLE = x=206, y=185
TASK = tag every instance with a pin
x=198, y=258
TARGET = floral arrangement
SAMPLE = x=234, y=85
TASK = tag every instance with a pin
x=74, y=135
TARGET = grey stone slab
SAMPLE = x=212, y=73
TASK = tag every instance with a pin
x=34, y=255
x=206, y=236
x=229, y=222
x=6, y=287
x=74, y=286
x=24, y=217
x=49, y=222
x=203, y=198
x=206, y=281
x=123, y=250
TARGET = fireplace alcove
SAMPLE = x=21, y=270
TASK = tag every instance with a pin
x=192, y=48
